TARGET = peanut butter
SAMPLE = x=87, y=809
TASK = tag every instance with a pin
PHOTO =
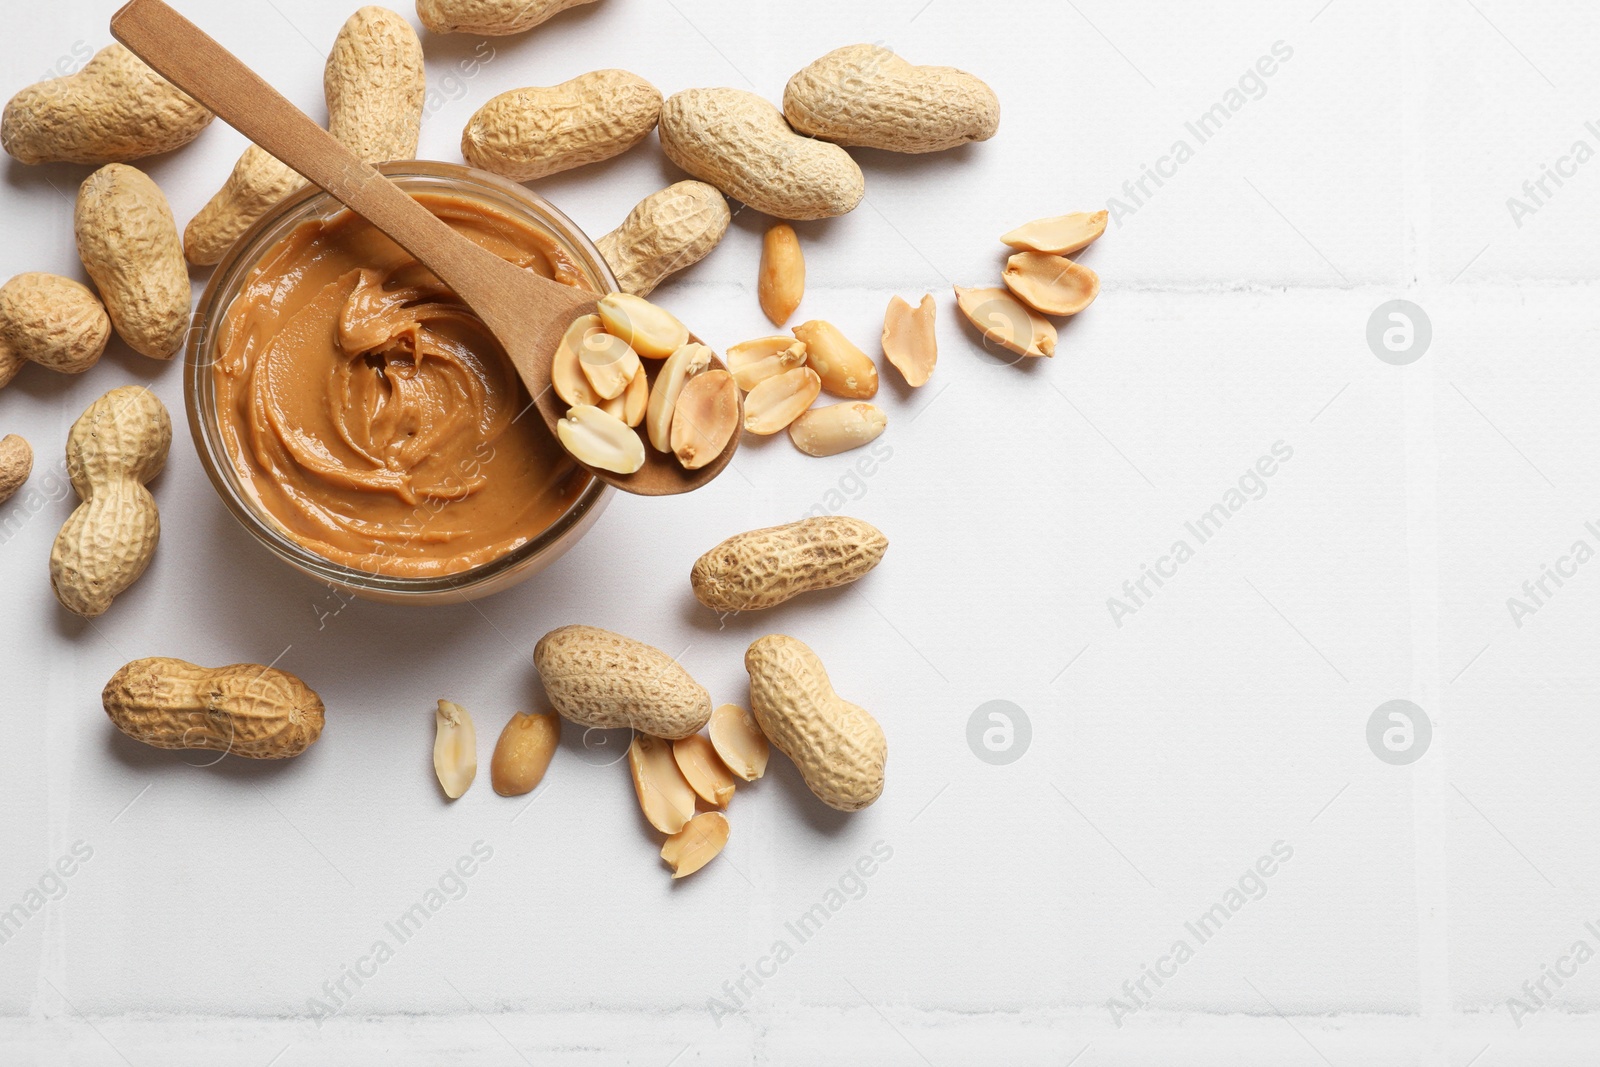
x=370, y=413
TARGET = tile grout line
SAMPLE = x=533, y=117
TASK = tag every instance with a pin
x=1209, y=289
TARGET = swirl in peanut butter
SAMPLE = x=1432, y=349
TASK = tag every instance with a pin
x=373, y=416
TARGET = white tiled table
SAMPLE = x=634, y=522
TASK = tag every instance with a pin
x=1168, y=753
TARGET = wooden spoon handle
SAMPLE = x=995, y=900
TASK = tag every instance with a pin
x=183, y=54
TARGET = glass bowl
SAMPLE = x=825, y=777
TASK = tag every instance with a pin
x=201, y=402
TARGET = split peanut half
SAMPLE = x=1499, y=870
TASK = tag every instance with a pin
x=1007, y=321
x=651, y=331
x=844, y=369
x=705, y=418
x=782, y=283
x=837, y=428
x=665, y=796
x=909, y=340
x=739, y=742
x=455, y=749
x=704, y=770
x=1060, y=236
x=778, y=401
x=608, y=363
x=630, y=407
x=566, y=369
x=755, y=361
x=683, y=364
x=1051, y=285
x=523, y=753
x=697, y=844
x=598, y=439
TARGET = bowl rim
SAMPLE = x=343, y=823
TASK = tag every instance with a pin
x=236, y=265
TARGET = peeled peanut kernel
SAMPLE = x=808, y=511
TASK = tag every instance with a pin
x=845, y=370
x=697, y=844
x=600, y=440
x=631, y=405
x=705, y=418
x=783, y=273
x=455, y=749
x=739, y=742
x=837, y=428
x=753, y=362
x=1060, y=236
x=909, y=339
x=608, y=363
x=566, y=369
x=651, y=331
x=682, y=365
x=665, y=796
x=1051, y=285
x=523, y=753
x=704, y=770
x=778, y=401
x=1007, y=321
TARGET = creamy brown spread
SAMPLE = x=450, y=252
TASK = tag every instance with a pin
x=373, y=416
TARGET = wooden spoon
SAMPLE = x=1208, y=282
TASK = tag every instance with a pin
x=527, y=313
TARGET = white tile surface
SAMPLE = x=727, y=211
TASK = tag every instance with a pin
x=1169, y=753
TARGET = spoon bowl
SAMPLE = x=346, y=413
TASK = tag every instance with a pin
x=527, y=313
